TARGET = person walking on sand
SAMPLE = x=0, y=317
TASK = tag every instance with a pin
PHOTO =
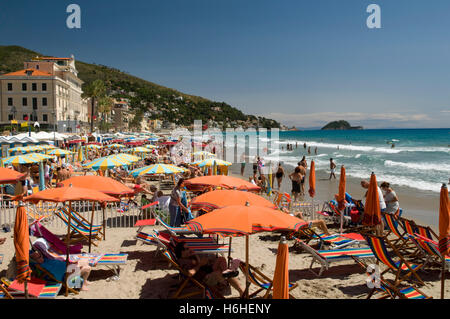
x=296, y=178
x=279, y=175
x=332, y=168
x=302, y=168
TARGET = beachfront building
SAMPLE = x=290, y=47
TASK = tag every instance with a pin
x=120, y=115
x=47, y=91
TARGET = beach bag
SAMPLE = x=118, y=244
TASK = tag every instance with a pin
x=355, y=215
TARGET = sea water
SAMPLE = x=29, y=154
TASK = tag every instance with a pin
x=419, y=159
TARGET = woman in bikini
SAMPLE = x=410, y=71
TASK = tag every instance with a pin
x=279, y=175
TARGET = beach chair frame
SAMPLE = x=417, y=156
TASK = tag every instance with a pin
x=388, y=290
x=188, y=278
x=323, y=261
x=263, y=282
x=77, y=229
x=402, y=241
x=379, y=245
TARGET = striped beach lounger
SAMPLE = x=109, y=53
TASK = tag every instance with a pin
x=338, y=241
x=379, y=249
x=326, y=257
x=392, y=224
x=77, y=229
x=183, y=230
x=49, y=291
x=198, y=245
x=387, y=290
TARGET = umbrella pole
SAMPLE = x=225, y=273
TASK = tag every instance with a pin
x=90, y=227
x=67, y=246
x=247, y=281
x=443, y=279
x=229, y=251
x=104, y=224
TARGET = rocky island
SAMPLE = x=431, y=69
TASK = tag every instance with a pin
x=341, y=125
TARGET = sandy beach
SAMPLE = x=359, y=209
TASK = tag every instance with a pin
x=147, y=275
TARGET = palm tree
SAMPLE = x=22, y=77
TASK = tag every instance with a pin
x=94, y=90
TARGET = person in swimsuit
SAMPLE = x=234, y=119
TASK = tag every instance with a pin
x=296, y=178
x=279, y=175
x=332, y=168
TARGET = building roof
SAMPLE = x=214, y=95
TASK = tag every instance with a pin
x=24, y=72
x=51, y=58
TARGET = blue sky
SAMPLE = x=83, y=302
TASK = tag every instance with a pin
x=301, y=62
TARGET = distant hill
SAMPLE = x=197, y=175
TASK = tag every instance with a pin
x=341, y=125
x=146, y=98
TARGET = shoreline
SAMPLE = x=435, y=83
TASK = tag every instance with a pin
x=421, y=206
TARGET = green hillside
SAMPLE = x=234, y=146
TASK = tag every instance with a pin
x=147, y=98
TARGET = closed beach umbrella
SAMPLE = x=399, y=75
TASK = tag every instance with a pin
x=80, y=157
x=372, y=213
x=281, y=275
x=22, y=246
x=221, y=198
x=157, y=169
x=312, y=180
x=444, y=231
x=341, y=195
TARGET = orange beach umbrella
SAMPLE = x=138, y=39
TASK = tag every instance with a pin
x=372, y=213
x=225, y=197
x=102, y=184
x=9, y=175
x=69, y=194
x=341, y=195
x=444, y=231
x=22, y=245
x=312, y=180
x=281, y=275
x=223, y=181
x=238, y=220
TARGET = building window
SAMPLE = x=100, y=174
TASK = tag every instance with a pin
x=10, y=101
x=34, y=86
x=44, y=117
x=10, y=117
x=24, y=101
x=9, y=86
x=44, y=86
x=44, y=101
x=24, y=86
x=35, y=103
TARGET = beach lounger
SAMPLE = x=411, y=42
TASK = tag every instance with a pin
x=412, y=229
x=392, y=223
x=183, y=230
x=188, y=278
x=261, y=281
x=141, y=224
x=38, y=230
x=326, y=257
x=387, y=290
x=402, y=269
x=205, y=245
x=77, y=229
x=36, y=289
x=83, y=221
x=430, y=250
